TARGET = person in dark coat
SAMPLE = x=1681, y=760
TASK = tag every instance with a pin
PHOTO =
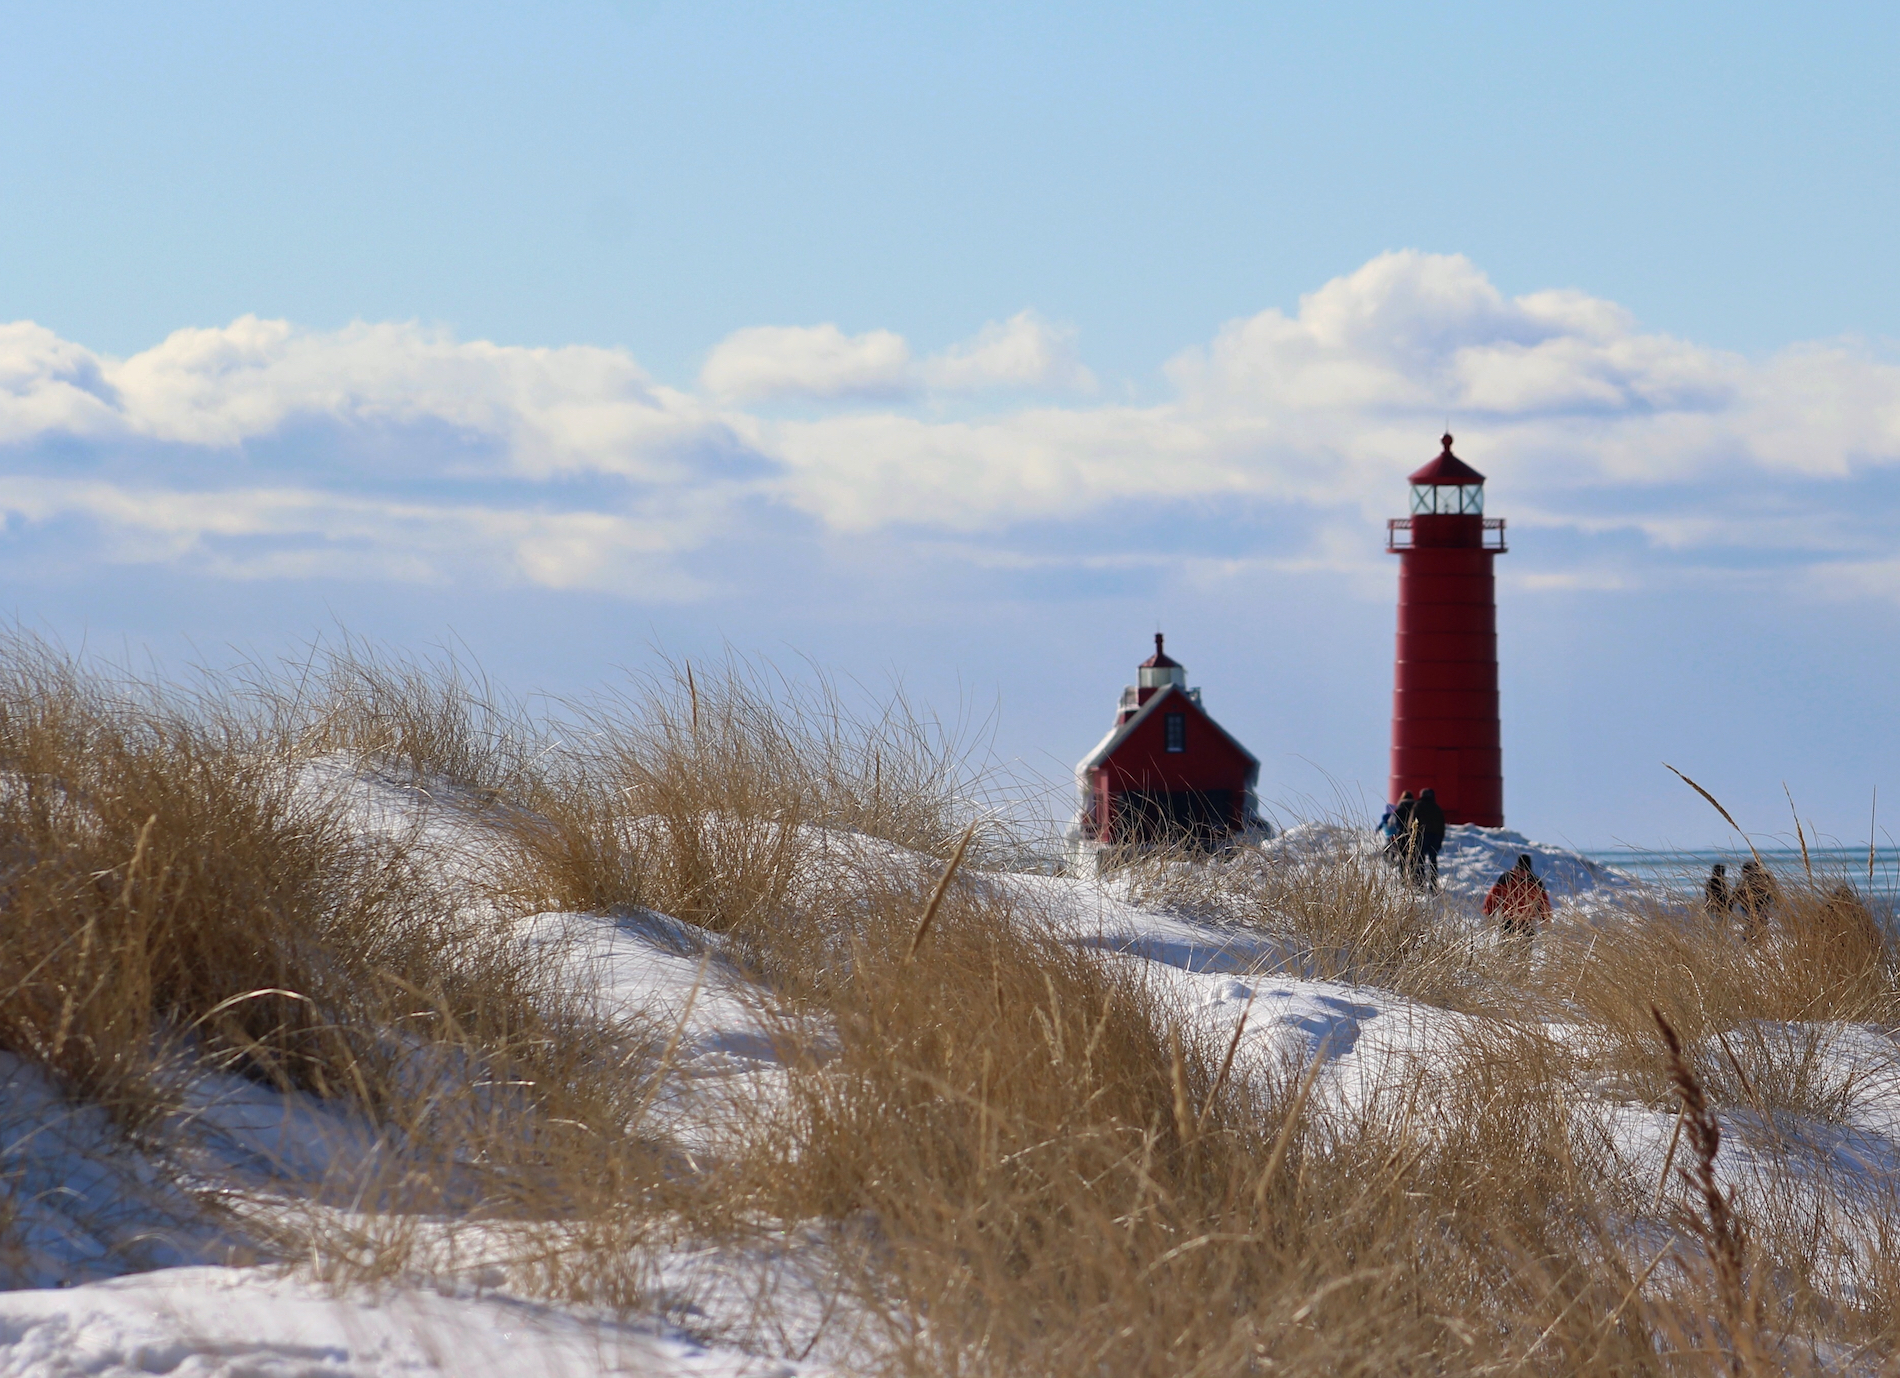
x=1755, y=896
x=1397, y=826
x=1519, y=902
x=1429, y=819
x=1717, y=897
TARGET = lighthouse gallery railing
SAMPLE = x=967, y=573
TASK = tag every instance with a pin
x=1398, y=534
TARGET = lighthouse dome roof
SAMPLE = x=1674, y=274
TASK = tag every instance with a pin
x=1160, y=660
x=1446, y=469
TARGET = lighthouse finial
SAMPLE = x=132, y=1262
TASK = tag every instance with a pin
x=1157, y=643
x=1445, y=439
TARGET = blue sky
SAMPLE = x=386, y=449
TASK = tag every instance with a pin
x=968, y=344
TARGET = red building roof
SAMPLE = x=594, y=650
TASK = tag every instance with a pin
x=1446, y=470
x=1160, y=660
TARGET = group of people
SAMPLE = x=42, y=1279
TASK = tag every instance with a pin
x=1754, y=895
x=1841, y=912
x=1414, y=831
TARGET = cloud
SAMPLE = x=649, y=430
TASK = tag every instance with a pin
x=50, y=386
x=1852, y=579
x=821, y=361
x=1572, y=581
x=396, y=450
x=1557, y=395
x=381, y=451
x=248, y=533
x=1023, y=352
x=548, y=411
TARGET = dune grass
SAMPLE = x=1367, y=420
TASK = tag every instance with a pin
x=183, y=899
x=1341, y=911
x=1757, y=1017
x=1018, y=1156
x=165, y=882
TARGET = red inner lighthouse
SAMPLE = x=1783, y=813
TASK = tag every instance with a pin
x=1445, y=687
x=1166, y=771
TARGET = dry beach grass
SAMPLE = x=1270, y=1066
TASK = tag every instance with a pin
x=1020, y=1156
x=1340, y=912
x=179, y=899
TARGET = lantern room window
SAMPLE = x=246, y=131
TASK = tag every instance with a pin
x=1448, y=499
x=1177, y=731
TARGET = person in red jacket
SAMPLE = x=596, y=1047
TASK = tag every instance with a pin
x=1518, y=901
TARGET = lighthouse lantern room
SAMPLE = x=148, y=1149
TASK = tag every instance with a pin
x=1445, y=733
x=1166, y=771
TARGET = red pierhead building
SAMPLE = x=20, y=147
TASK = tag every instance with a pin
x=1445, y=687
x=1166, y=769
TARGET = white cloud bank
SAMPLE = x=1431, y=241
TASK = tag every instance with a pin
x=822, y=363
x=1552, y=394
x=308, y=533
x=548, y=411
x=437, y=458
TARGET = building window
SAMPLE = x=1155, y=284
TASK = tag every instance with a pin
x=1448, y=499
x=1177, y=731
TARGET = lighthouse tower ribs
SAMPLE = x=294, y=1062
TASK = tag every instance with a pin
x=1445, y=733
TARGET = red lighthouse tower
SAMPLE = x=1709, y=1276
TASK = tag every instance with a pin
x=1445, y=688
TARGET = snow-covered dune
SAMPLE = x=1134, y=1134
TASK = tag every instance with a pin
x=1474, y=857
x=117, y=1270
x=250, y=1322
x=1471, y=860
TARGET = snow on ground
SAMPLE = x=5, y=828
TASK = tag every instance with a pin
x=1470, y=862
x=82, y=1206
x=241, y=1130
x=658, y=970
x=1372, y=1043
x=673, y=982
x=459, y=835
x=1097, y=914
x=257, y=1323
x=1473, y=858
x=119, y=1268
